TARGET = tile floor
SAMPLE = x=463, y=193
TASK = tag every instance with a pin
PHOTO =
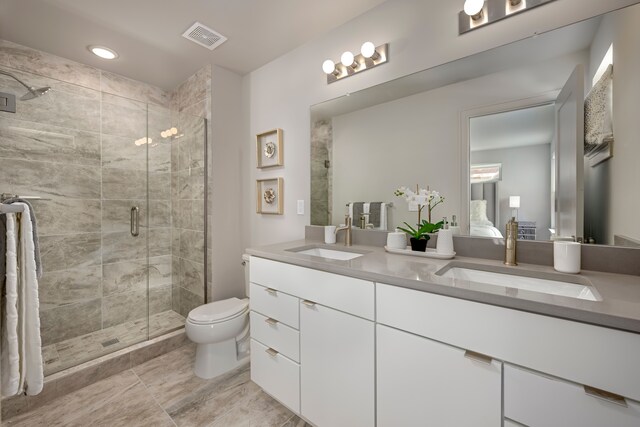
x=165, y=392
x=74, y=351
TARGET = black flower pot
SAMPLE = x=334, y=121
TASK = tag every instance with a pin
x=419, y=245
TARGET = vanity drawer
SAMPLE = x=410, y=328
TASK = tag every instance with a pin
x=277, y=375
x=586, y=354
x=536, y=400
x=276, y=335
x=274, y=304
x=348, y=294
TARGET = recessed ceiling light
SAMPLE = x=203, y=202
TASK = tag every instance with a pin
x=103, y=52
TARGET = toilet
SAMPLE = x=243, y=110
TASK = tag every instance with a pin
x=221, y=331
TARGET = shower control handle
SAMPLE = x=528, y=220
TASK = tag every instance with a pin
x=135, y=221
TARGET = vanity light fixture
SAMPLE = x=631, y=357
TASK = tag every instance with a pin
x=368, y=51
x=143, y=141
x=330, y=68
x=370, y=56
x=169, y=132
x=478, y=13
x=348, y=60
x=473, y=8
x=103, y=52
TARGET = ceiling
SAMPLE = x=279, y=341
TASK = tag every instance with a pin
x=518, y=128
x=147, y=33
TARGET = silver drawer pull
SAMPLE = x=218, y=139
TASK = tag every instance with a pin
x=271, y=321
x=271, y=291
x=483, y=358
x=308, y=303
x=605, y=395
x=271, y=352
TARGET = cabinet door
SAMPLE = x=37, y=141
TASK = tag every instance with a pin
x=424, y=382
x=541, y=401
x=336, y=367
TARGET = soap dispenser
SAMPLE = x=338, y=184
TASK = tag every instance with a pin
x=444, y=244
x=455, y=228
x=511, y=242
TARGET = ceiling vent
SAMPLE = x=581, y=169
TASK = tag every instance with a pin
x=204, y=36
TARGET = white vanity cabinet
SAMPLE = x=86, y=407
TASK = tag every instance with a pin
x=313, y=342
x=424, y=382
x=337, y=367
x=557, y=359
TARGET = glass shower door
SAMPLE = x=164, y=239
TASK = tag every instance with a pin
x=126, y=230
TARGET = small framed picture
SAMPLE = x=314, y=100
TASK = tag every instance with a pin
x=269, y=149
x=269, y=196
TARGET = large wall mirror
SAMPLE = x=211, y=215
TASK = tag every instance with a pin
x=546, y=129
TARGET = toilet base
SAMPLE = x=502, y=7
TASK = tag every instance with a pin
x=216, y=359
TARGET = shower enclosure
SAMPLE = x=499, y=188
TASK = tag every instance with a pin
x=119, y=190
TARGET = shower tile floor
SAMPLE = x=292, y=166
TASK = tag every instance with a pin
x=74, y=351
x=165, y=392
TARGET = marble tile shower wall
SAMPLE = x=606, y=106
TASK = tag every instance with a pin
x=321, y=196
x=191, y=104
x=75, y=148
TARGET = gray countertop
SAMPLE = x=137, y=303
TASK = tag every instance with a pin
x=619, y=308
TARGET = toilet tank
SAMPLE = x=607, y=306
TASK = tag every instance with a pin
x=245, y=264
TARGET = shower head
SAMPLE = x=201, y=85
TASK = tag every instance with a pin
x=33, y=92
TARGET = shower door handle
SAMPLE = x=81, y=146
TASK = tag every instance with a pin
x=135, y=221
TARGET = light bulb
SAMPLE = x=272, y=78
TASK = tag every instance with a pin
x=174, y=131
x=163, y=134
x=473, y=7
x=328, y=66
x=368, y=49
x=347, y=59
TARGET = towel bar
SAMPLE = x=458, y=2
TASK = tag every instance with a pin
x=389, y=204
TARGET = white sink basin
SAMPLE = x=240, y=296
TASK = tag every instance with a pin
x=534, y=284
x=329, y=253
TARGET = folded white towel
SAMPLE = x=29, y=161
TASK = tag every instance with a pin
x=22, y=368
x=10, y=347
x=33, y=373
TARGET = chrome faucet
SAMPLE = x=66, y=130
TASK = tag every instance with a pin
x=511, y=242
x=347, y=229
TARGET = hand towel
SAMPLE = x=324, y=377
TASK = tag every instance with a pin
x=374, y=213
x=358, y=210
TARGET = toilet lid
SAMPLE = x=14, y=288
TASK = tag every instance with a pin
x=218, y=311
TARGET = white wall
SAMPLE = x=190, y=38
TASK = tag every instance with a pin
x=415, y=140
x=226, y=273
x=421, y=34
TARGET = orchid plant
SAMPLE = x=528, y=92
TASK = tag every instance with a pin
x=424, y=198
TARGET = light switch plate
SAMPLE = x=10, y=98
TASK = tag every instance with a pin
x=300, y=207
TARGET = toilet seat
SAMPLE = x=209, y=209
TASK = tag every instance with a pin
x=218, y=311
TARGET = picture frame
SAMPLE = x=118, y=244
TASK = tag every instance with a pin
x=269, y=151
x=270, y=196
